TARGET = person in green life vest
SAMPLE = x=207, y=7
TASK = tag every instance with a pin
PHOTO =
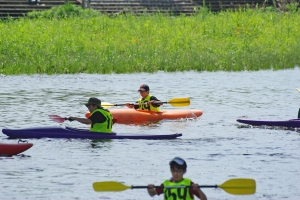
x=147, y=102
x=100, y=119
x=178, y=169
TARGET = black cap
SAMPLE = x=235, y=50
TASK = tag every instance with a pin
x=93, y=101
x=144, y=87
x=178, y=161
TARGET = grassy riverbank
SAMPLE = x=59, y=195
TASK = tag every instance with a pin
x=229, y=41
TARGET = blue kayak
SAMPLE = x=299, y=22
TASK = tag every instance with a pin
x=68, y=132
x=292, y=123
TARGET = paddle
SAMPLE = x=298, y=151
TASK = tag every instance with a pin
x=176, y=102
x=298, y=89
x=238, y=186
x=59, y=119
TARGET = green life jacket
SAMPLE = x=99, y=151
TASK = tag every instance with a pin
x=144, y=106
x=105, y=127
x=177, y=193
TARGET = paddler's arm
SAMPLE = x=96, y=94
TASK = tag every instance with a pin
x=151, y=190
x=131, y=105
x=201, y=194
x=155, y=102
x=81, y=120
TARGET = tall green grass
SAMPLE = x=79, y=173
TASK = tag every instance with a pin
x=230, y=41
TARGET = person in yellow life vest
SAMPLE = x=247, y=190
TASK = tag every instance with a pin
x=178, y=169
x=100, y=119
x=147, y=102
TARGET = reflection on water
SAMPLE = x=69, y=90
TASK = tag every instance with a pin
x=101, y=143
x=215, y=146
x=270, y=127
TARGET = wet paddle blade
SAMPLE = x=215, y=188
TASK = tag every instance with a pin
x=298, y=89
x=179, y=102
x=57, y=118
x=109, y=186
x=239, y=186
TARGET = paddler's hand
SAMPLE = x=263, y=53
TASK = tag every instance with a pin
x=195, y=186
x=81, y=120
x=151, y=190
x=71, y=118
x=155, y=103
x=129, y=105
x=201, y=194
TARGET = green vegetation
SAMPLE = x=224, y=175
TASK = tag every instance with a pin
x=66, y=11
x=72, y=40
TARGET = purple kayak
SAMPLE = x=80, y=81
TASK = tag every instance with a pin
x=68, y=132
x=292, y=123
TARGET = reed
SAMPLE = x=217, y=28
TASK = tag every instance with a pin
x=246, y=39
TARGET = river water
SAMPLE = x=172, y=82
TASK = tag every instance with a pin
x=215, y=146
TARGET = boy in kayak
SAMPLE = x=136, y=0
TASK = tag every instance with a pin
x=147, y=102
x=178, y=169
x=100, y=119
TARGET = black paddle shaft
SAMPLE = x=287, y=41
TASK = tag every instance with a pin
x=202, y=186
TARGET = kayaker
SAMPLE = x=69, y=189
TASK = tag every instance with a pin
x=147, y=102
x=100, y=119
x=178, y=169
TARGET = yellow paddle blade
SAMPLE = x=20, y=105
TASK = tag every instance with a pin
x=109, y=186
x=298, y=89
x=179, y=102
x=239, y=186
x=106, y=105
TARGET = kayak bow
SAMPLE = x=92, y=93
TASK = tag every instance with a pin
x=292, y=123
x=13, y=149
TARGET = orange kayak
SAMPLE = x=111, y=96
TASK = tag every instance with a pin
x=137, y=116
x=13, y=149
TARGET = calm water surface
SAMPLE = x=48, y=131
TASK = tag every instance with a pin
x=215, y=146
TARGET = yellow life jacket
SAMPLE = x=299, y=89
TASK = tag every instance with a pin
x=144, y=106
x=177, y=193
x=105, y=127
